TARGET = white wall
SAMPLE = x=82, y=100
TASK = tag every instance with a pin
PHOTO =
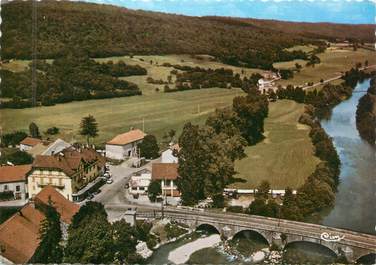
x=12, y=187
x=54, y=178
x=120, y=152
x=24, y=147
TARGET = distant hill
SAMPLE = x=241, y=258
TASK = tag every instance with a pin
x=104, y=30
x=328, y=31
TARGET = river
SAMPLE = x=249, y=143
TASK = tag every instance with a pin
x=354, y=207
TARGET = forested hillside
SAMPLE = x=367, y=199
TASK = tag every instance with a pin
x=104, y=30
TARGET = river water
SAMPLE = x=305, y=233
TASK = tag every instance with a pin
x=354, y=207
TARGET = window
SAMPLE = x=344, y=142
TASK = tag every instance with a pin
x=5, y=187
x=142, y=188
x=18, y=188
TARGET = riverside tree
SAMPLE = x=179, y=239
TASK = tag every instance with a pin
x=205, y=167
x=89, y=127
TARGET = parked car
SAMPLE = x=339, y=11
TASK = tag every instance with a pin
x=90, y=197
x=109, y=181
x=107, y=175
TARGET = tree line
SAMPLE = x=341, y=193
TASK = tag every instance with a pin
x=208, y=152
x=366, y=114
x=73, y=77
x=125, y=32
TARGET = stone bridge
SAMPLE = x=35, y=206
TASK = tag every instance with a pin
x=282, y=232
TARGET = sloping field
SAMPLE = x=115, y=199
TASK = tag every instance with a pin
x=334, y=61
x=161, y=112
x=285, y=157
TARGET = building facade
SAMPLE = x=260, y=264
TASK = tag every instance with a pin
x=139, y=182
x=124, y=145
x=28, y=143
x=166, y=174
x=68, y=171
x=13, y=182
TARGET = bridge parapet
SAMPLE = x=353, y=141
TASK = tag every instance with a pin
x=351, y=244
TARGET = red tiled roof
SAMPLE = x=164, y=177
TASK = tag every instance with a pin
x=68, y=160
x=13, y=173
x=30, y=141
x=164, y=171
x=128, y=137
x=64, y=207
x=19, y=235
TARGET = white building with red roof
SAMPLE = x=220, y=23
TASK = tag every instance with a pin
x=28, y=143
x=13, y=182
x=124, y=145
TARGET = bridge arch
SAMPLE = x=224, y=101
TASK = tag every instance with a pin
x=327, y=250
x=208, y=227
x=367, y=259
x=252, y=233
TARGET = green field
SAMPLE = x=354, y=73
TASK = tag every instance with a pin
x=285, y=157
x=155, y=69
x=160, y=111
x=334, y=61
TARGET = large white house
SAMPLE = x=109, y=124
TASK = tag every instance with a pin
x=124, y=145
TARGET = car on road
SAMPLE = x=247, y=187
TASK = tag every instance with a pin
x=109, y=181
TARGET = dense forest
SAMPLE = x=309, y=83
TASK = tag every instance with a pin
x=66, y=79
x=366, y=114
x=120, y=31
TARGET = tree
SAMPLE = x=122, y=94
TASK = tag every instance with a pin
x=52, y=131
x=149, y=147
x=49, y=249
x=154, y=190
x=252, y=110
x=90, y=237
x=125, y=242
x=34, y=130
x=89, y=127
x=205, y=168
x=17, y=158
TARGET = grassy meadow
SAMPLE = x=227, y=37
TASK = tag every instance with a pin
x=285, y=157
x=334, y=61
x=160, y=111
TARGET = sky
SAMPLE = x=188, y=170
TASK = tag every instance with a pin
x=336, y=11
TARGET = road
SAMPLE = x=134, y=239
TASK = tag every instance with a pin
x=334, y=78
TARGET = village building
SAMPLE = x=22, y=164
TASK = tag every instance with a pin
x=139, y=182
x=171, y=154
x=19, y=235
x=166, y=174
x=124, y=145
x=48, y=148
x=68, y=171
x=28, y=143
x=267, y=82
x=13, y=182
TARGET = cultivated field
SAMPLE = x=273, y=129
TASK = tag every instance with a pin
x=333, y=62
x=160, y=111
x=285, y=157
